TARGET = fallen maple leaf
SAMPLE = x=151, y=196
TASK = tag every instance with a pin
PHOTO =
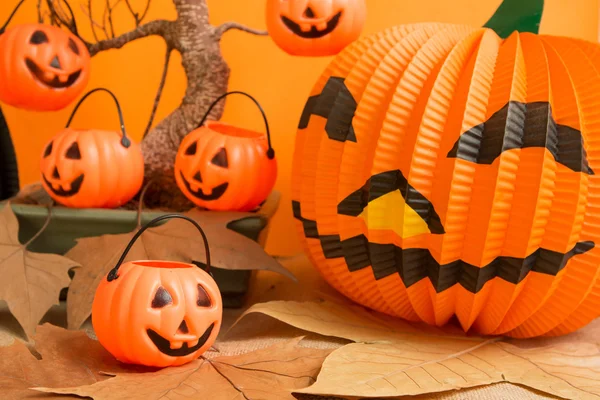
x=395, y=358
x=67, y=358
x=268, y=374
x=31, y=282
x=176, y=240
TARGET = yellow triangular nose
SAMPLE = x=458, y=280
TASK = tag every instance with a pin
x=390, y=212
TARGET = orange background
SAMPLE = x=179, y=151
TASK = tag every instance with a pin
x=279, y=81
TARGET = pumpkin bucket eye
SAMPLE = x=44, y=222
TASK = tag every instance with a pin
x=220, y=159
x=73, y=46
x=203, y=298
x=48, y=150
x=162, y=298
x=38, y=37
x=191, y=150
x=73, y=152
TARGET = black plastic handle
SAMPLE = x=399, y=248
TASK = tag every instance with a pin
x=75, y=31
x=112, y=275
x=270, y=151
x=124, y=140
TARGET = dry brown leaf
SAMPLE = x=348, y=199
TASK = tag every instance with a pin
x=68, y=358
x=393, y=358
x=268, y=374
x=347, y=321
x=176, y=240
x=31, y=282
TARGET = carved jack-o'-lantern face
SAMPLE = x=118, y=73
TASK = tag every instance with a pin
x=157, y=313
x=315, y=27
x=46, y=68
x=221, y=167
x=454, y=173
x=218, y=166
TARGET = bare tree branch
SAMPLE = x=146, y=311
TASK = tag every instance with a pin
x=39, y=12
x=60, y=16
x=161, y=86
x=88, y=12
x=227, y=26
x=107, y=21
x=156, y=27
x=145, y=11
x=133, y=13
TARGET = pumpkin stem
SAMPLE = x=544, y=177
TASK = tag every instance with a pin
x=113, y=274
x=516, y=15
x=124, y=140
x=11, y=16
x=270, y=151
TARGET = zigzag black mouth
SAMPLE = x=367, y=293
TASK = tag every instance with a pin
x=164, y=346
x=414, y=265
x=314, y=33
x=215, y=195
x=53, y=83
x=75, y=187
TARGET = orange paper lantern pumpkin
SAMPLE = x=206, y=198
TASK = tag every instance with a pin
x=223, y=167
x=157, y=313
x=440, y=170
x=44, y=68
x=315, y=27
x=91, y=168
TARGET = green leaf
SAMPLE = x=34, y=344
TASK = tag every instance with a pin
x=516, y=15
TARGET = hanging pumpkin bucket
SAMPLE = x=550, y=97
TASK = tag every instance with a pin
x=44, y=68
x=92, y=168
x=158, y=313
x=315, y=27
x=222, y=167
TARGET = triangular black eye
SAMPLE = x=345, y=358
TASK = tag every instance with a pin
x=73, y=46
x=38, y=37
x=191, y=150
x=203, y=298
x=73, y=152
x=162, y=298
x=220, y=159
x=48, y=150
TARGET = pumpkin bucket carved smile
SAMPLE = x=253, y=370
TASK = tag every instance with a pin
x=216, y=193
x=164, y=345
x=55, y=82
x=314, y=32
x=58, y=190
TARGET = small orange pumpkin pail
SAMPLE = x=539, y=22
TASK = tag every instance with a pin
x=44, y=68
x=92, y=168
x=158, y=313
x=225, y=168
